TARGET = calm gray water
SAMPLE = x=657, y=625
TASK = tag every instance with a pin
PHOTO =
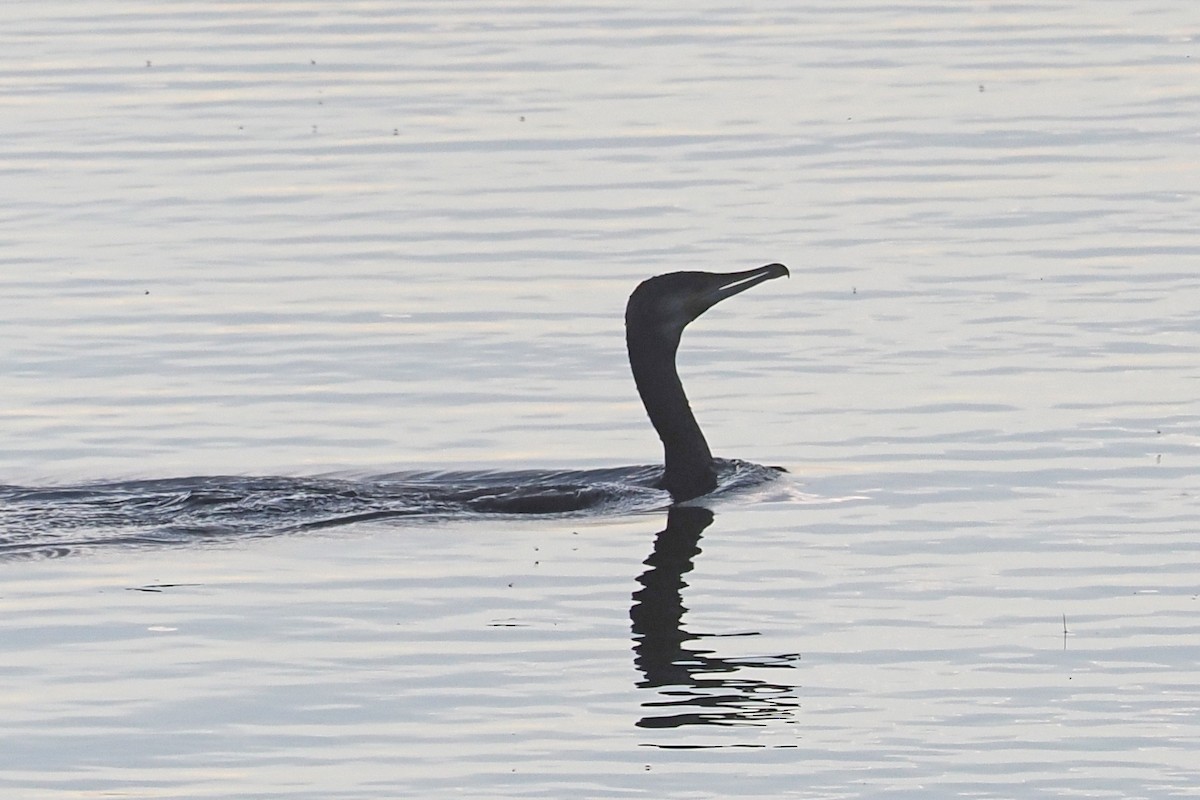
x=331, y=242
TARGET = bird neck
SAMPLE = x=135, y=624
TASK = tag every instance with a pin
x=688, y=470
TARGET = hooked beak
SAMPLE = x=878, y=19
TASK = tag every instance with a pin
x=732, y=283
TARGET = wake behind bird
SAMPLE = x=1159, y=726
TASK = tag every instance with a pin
x=65, y=520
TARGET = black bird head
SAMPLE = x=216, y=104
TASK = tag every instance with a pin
x=664, y=305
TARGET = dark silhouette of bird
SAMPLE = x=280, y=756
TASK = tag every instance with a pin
x=658, y=311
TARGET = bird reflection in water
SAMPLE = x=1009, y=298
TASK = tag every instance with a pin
x=695, y=687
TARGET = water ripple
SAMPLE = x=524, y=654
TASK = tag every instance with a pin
x=62, y=520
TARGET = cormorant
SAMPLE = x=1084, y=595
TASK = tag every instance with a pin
x=658, y=311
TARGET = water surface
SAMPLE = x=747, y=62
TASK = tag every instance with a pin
x=302, y=242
